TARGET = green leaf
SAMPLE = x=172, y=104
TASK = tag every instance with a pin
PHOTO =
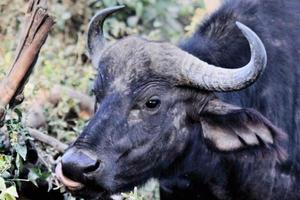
x=139, y=9
x=19, y=114
x=32, y=177
x=5, y=163
x=41, y=174
x=19, y=165
x=5, y=174
x=8, y=197
x=12, y=191
x=157, y=24
x=7, y=193
x=2, y=184
x=21, y=150
x=132, y=21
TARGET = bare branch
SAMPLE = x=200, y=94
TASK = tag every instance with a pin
x=56, y=144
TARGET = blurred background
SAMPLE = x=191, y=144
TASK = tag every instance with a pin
x=58, y=97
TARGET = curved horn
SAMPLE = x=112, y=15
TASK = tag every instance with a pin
x=202, y=75
x=95, y=39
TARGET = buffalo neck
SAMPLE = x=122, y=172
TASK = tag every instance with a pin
x=199, y=171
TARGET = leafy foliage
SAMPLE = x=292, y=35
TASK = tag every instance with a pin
x=15, y=159
x=9, y=193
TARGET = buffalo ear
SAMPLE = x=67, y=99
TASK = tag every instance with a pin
x=229, y=128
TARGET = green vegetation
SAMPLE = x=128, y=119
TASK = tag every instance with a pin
x=64, y=61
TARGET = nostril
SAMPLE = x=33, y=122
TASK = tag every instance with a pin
x=92, y=168
x=76, y=163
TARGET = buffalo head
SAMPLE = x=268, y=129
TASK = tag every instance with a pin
x=154, y=101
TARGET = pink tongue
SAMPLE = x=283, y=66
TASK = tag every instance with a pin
x=70, y=184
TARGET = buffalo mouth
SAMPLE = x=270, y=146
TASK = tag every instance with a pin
x=68, y=183
x=78, y=189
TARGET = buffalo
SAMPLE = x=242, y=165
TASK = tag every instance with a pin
x=215, y=118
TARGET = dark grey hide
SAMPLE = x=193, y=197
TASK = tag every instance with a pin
x=148, y=125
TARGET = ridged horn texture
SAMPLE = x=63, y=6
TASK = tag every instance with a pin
x=96, y=40
x=200, y=74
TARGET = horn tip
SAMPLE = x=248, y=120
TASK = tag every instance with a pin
x=95, y=33
x=121, y=6
x=115, y=8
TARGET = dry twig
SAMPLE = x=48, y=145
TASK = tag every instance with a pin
x=56, y=144
x=34, y=34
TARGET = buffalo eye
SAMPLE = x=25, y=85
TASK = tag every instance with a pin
x=153, y=103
